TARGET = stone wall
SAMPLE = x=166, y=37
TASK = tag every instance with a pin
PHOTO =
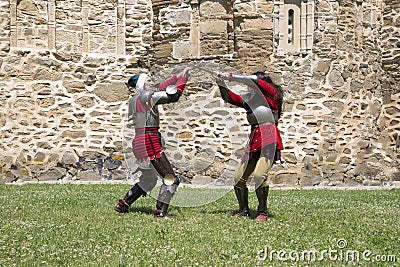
x=336, y=92
x=64, y=64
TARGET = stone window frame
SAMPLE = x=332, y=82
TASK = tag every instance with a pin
x=301, y=28
x=50, y=45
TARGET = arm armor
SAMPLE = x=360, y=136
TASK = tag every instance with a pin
x=246, y=79
x=224, y=93
x=164, y=97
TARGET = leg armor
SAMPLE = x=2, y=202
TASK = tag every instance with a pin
x=164, y=197
x=242, y=173
x=242, y=195
x=241, y=191
x=262, y=195
x=169, y=186
x=147, y=181
x=261, y=171
x=131, y=196
x=262, y=168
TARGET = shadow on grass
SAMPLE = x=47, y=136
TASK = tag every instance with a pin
x=202, y=211
x=142, y=209
x=253, y=213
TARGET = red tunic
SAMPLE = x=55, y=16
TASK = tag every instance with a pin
x=265, y=134
x=147, y=142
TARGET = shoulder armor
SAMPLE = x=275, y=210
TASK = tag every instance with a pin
x=146, y=95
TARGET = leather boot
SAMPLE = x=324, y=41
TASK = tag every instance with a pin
x=161, y=207
x=161, y=211
x=130, y=197
x=242, y=195
x=164, y=198
x=262, y=195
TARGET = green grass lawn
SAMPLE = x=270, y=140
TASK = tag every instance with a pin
x=75, y=225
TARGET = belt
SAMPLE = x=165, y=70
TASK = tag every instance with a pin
x=146, y=131
x=255, y=126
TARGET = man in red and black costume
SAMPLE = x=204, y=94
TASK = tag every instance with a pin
x=147, y=144
x=263, y=104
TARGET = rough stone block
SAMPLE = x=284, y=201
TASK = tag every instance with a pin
x=285, y=179
x=310, y=181
x=181, y=50
x=74, y=86
x=179, y=17
x=255, y=24
x=213, y=27
x=213, y=8
x=244, y=8
x=112, y=91
x=163, y=50
x=69, y=158
x=89, y=176
x=53, y=174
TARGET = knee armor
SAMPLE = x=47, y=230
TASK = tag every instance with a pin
x=170, y=179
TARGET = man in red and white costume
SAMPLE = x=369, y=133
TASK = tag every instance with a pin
x=263, y=105
x=147, y=144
